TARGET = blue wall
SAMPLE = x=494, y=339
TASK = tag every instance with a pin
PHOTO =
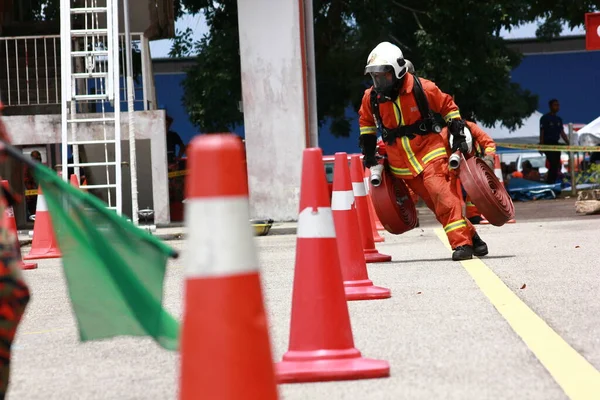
x=572, y=78
x=169, y=95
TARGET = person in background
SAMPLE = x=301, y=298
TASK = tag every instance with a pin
x=175, y=165
x=484, y=147
x=31, y=184
x=529, y=172
x=551, y=130
x=173, y=141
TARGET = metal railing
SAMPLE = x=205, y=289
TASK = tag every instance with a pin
x=30, y=71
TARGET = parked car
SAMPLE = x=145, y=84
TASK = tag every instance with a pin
x=328, y=162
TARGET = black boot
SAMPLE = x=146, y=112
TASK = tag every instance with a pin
x=476, y=220
x=462, y=253
x=480, y=248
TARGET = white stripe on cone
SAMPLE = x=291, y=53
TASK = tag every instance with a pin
x=220, y=239
x=359, y=189
x=317, y=224
x=498, y=173
x=366, y=180
x=41, y=204
x=342, y=200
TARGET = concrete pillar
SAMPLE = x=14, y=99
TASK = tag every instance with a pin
x=277, y=116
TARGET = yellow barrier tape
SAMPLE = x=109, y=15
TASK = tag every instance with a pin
x=173, y=174
x=549, y=147
x=33, y=192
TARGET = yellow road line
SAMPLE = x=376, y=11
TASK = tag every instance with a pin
x=575, y=375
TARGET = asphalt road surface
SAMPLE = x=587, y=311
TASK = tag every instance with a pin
x=521, y=323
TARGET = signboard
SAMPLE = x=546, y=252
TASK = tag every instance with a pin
x=592, y=31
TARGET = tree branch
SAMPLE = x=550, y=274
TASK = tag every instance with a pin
x=417, y=20
x=408, y=8
x=395, y=39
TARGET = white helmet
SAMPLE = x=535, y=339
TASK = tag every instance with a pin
x=468, y=139
x=410, y=67
x=386, y=57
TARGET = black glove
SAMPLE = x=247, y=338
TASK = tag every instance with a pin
x=459, y=141
x=368, y=145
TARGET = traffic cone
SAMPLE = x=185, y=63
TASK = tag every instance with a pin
x=357, y=284
x=362, y=208
x=321, y=344
x=225, y=347
x=74, y=181
x=44, y=243
x=374, y=218
x=9, y=222
x=498, y=173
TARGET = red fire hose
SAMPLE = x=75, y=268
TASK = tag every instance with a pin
x=487, y=193
x=393, y=204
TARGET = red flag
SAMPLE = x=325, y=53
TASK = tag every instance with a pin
x=592, y=31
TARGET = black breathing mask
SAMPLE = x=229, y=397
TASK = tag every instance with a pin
x=385, y=83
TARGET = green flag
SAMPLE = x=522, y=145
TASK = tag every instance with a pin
x=114, y=270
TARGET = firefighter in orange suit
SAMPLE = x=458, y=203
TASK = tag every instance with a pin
x=481, y=145
x=415, y=150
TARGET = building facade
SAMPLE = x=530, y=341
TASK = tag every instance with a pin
x=31, y=61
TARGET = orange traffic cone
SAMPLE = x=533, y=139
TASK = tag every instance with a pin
x=10, y=223
x=357, y=284
x=321, y=343
x=225, y=348
x=362, y=207
x=44, y=243
x=378, y=226
x=74, y=181
x=498, y=173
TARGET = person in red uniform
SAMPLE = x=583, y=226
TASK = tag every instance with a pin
x=415, y=152
x=481, y=145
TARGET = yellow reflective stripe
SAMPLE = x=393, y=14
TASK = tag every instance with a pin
x=455, y=225
x=412, y=159
x=469, y=204
x=364, y=130
x=401, y=171
x=490, y=150
x=452, y=114
x=441, y=151
x=398, y=114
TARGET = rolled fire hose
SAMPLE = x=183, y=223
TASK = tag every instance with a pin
x=487, y=193
x=392, y=202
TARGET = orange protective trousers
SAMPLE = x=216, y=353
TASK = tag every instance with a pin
x=439, y=192
x=471, y=209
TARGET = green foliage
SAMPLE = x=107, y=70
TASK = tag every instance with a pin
x=213, y=89
x=455, y=43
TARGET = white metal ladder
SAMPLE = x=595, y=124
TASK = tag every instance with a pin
x=90, y=60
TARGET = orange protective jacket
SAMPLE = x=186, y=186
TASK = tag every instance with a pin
x=409, y=157
x=482, y=142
